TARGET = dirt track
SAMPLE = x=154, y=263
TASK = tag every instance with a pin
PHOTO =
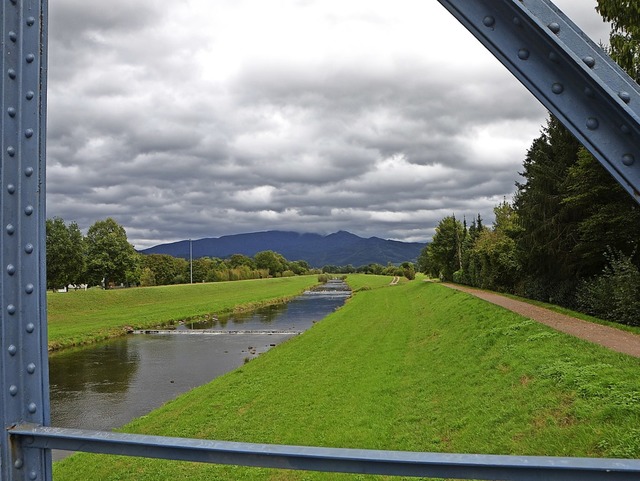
x=614, y=339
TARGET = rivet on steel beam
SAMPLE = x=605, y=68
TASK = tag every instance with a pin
x=29, y=95
x=557, y=88
x=33, y=475
x=12, y=73
x=12, y=350
x=18, y=463
x=13, y=36
x=12, y=112
x=31, y=368
x=11, y=189
x=624, y=128
x=554, y=27
x=488, y=21
x=628, y=159
x=592, y=123
x=589, y=61
x=11, y=151
x=28, y=248
x=13, y=390
x=10, y=229
x=626, y=98
x=523, y=54
x=30, y=21
x=588, y=91
x=11, y=309
x=517, y=22
x=11, y=269
x=29, y=288
x=28, y=133
x=30, y=328
x=32, y=408
x=30, y=58
x=28, y=171
x=28, y=210
x=554, y=57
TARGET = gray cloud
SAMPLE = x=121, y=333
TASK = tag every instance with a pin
x=213, y=118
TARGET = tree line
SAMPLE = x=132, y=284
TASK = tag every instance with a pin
x=104, y=257
x=570, y=234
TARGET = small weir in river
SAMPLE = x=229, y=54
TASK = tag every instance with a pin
x=106, y=385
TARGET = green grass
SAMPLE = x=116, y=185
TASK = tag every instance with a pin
x=81, y=317
x=416, y=367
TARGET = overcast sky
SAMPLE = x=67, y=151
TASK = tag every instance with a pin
x=202, y=118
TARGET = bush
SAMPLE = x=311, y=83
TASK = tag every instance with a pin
x=323, y=278
x=615, y=294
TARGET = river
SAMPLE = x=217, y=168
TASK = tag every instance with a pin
x=108, y=384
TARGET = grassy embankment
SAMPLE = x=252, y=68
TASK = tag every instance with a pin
x=411, y=367
x=83, y=317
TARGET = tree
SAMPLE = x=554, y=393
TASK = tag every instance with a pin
x=167, y=269
x=272, y=261
x=237, y=260
x=548, y=236
x=109, y=254
x=65, y=253
x=608, y=217
x=441, y=258
x=624, y=39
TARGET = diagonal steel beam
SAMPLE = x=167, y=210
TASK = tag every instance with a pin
x=567, y=72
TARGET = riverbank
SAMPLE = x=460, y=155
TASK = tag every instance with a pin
x=414, y=367
x=78, y=318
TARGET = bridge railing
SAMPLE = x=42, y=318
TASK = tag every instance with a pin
x=543, y=48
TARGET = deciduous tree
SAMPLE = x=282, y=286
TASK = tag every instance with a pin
x=109, y=254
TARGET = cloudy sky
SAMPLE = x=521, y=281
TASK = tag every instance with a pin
x=202, y=118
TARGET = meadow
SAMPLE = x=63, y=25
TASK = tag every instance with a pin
x=415, y=367
x=82, y=317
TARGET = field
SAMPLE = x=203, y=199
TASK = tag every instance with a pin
x=413, y=367
x=82, y=317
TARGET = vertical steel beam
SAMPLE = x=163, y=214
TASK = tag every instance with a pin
x=567, y=72
x=24, y=382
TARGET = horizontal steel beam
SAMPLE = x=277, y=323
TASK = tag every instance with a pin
x=393, y=463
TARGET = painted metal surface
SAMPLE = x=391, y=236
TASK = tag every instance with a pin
x=396, y=463
x=24, y=372
x=567, y=72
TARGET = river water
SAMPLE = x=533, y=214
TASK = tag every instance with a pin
x=106, y=385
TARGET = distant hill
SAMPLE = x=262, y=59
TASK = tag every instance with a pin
x=340, y=249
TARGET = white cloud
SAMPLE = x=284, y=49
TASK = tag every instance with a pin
x=199, y=118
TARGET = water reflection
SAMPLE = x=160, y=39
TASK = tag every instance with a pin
x=106, y=385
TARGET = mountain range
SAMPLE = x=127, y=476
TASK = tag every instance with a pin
x=340, y=248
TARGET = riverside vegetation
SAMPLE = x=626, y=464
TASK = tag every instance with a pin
x=82, y=317
x=415, y=367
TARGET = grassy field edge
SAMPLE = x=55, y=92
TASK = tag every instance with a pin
x=415, y=367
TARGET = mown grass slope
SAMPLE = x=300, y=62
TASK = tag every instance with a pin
x=410, y=367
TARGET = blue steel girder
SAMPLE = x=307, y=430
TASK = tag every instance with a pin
x=24, y=385
x=567, y=72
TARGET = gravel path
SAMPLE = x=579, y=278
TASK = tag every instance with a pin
x=614, y=339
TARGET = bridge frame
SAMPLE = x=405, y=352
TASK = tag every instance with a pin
x=565, y=70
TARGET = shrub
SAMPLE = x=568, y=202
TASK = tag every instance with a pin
x=615, y=294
